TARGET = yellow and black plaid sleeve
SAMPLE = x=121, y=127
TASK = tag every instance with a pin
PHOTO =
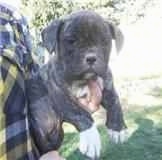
x=15, y=140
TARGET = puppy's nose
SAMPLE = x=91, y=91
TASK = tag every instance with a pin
x=91, y=59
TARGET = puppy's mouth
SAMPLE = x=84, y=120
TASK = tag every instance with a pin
x=88, y=93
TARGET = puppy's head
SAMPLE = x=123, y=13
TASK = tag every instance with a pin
x=82, y=43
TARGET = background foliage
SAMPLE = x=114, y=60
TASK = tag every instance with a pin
x=126, y=11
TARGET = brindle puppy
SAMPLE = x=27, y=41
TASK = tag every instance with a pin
x=75, y=82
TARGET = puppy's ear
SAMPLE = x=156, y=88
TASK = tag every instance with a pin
x=50, y=35
x=117, y=35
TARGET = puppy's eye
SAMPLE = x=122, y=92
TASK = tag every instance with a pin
x=70, y=40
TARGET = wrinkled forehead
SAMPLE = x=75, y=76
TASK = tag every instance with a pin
x=85, y=24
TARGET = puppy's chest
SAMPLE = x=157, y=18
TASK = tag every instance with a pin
x=88, y=94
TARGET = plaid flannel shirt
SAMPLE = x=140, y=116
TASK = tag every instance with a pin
x=15, y=63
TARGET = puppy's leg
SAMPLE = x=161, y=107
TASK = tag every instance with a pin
x=115, y=122
x=45, y=125
x=90, y=144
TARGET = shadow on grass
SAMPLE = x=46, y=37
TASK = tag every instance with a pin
x=137, y=111
x=144, y=144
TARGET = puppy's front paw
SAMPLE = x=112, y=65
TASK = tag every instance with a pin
x=90, y=143
x=52, y=155
x=118, y=137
